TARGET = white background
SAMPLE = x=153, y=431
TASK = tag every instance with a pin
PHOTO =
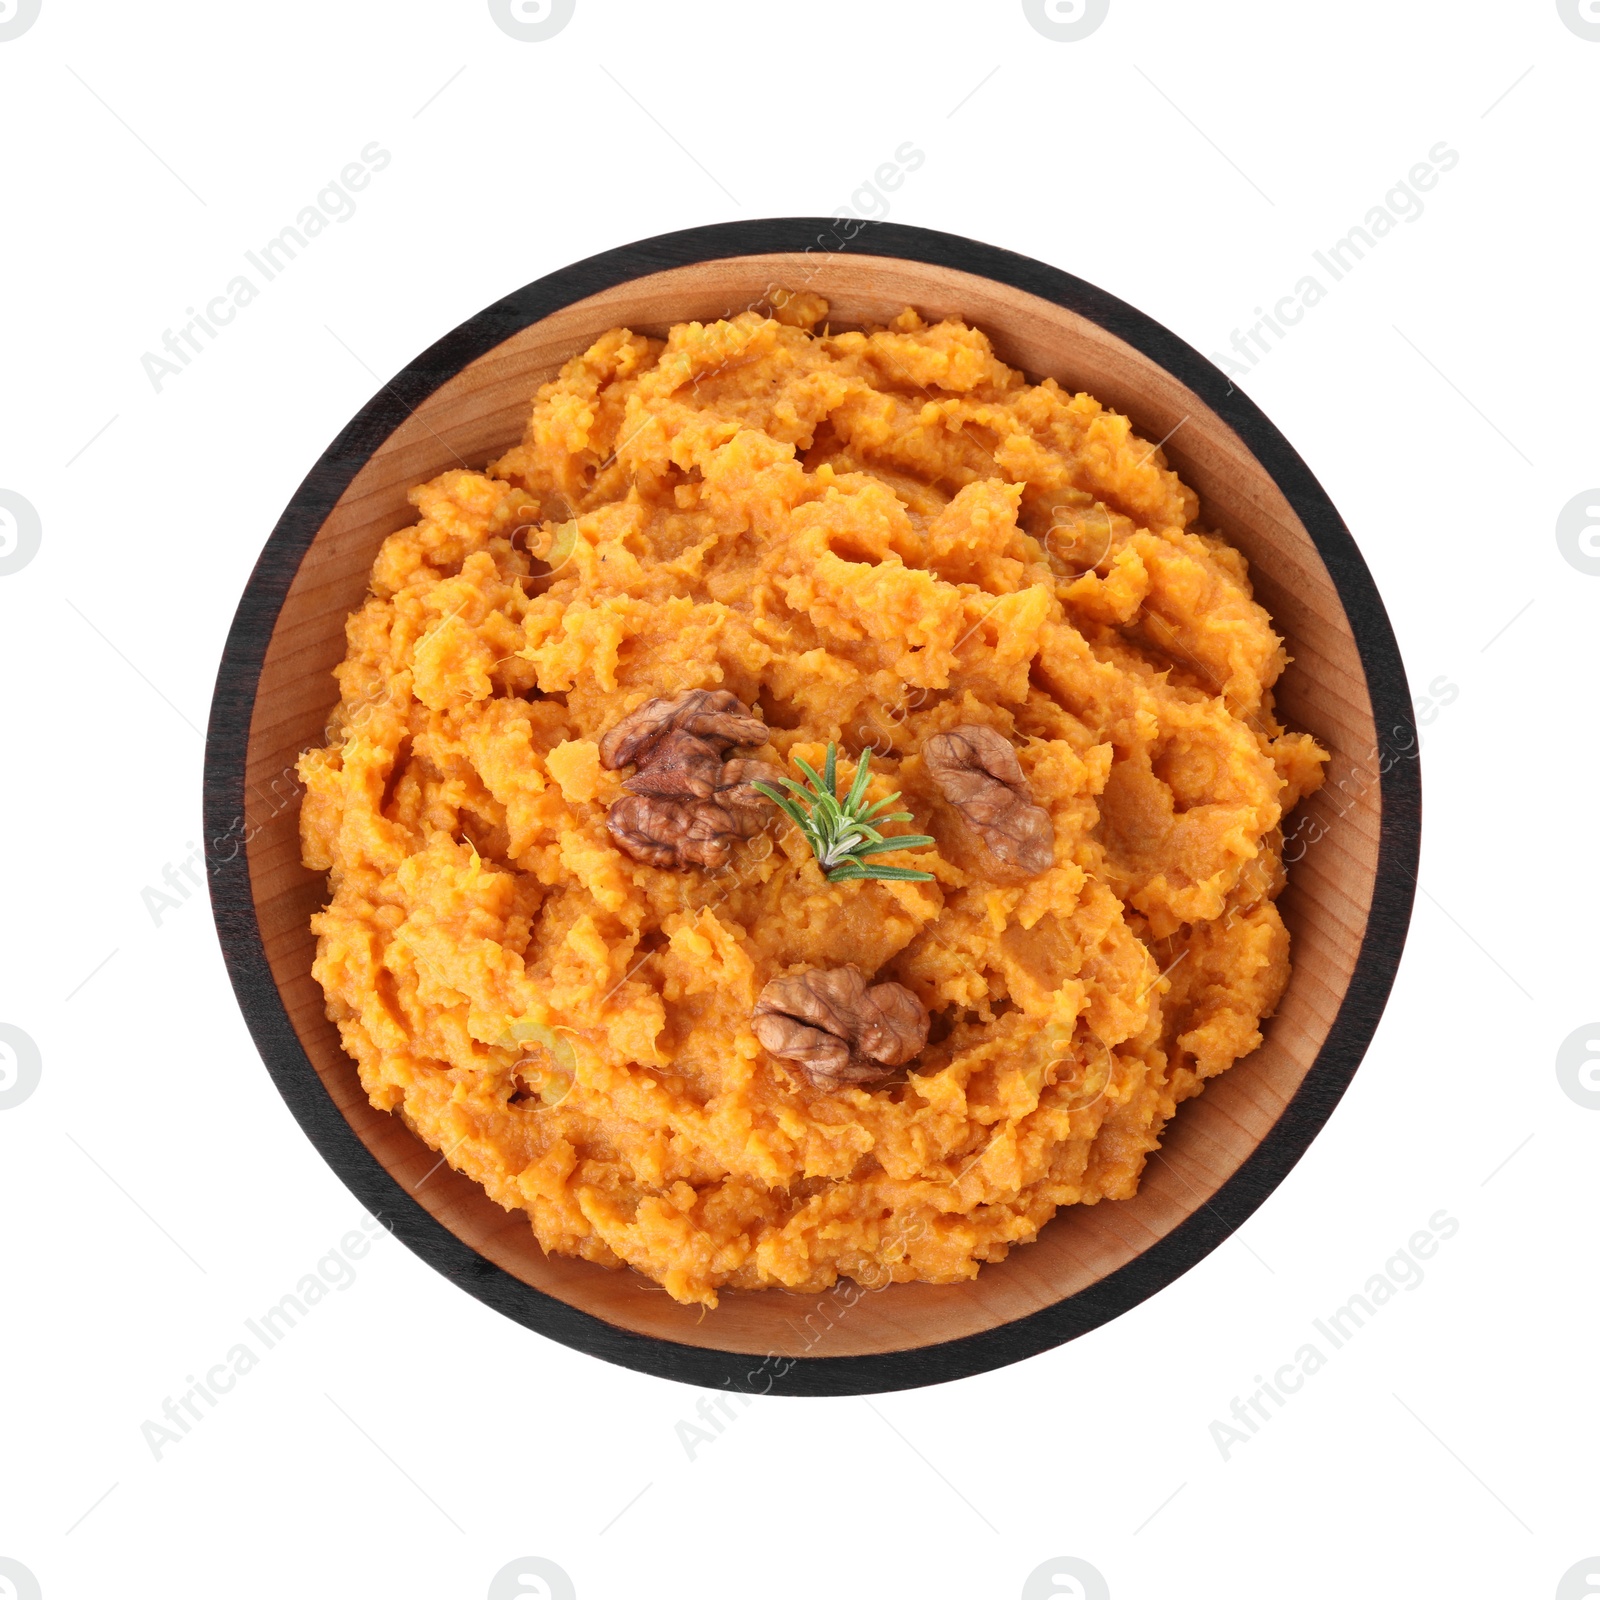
x=407, y=1441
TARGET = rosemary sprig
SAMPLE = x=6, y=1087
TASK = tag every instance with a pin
x=843, y=833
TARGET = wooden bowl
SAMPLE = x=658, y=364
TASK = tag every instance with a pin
x=1354, y=847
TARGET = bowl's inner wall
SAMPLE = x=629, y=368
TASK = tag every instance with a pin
x=481, y=412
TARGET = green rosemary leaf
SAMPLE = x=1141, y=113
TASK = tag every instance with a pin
x=846, y=872
x=785, y=805
x=812, y=776
x=852, y=870
x=894, y=816
x=842, y=831
x=878, y=805
x=900, y=841
x=859, y=788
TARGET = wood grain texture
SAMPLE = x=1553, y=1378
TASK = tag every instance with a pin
x=1222, y=1153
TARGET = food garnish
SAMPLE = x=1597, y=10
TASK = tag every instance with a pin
x=843, y=833
x=836, y=1029
x=688, y=803
x=978, y=773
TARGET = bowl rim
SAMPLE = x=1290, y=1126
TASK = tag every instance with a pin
x=239, y=933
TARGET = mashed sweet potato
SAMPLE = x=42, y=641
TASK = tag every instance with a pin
x=869, y=538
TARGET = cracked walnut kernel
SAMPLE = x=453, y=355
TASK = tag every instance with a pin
x=978, y=773
x=836, y=1029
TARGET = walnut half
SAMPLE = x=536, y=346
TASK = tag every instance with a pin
x=684, y=832
x=716, y=717
x=672, y=833
x=688, y=804
x=978, y=773
x=836, y=1029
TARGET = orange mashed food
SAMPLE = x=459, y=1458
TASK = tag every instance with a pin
x=869, y=537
